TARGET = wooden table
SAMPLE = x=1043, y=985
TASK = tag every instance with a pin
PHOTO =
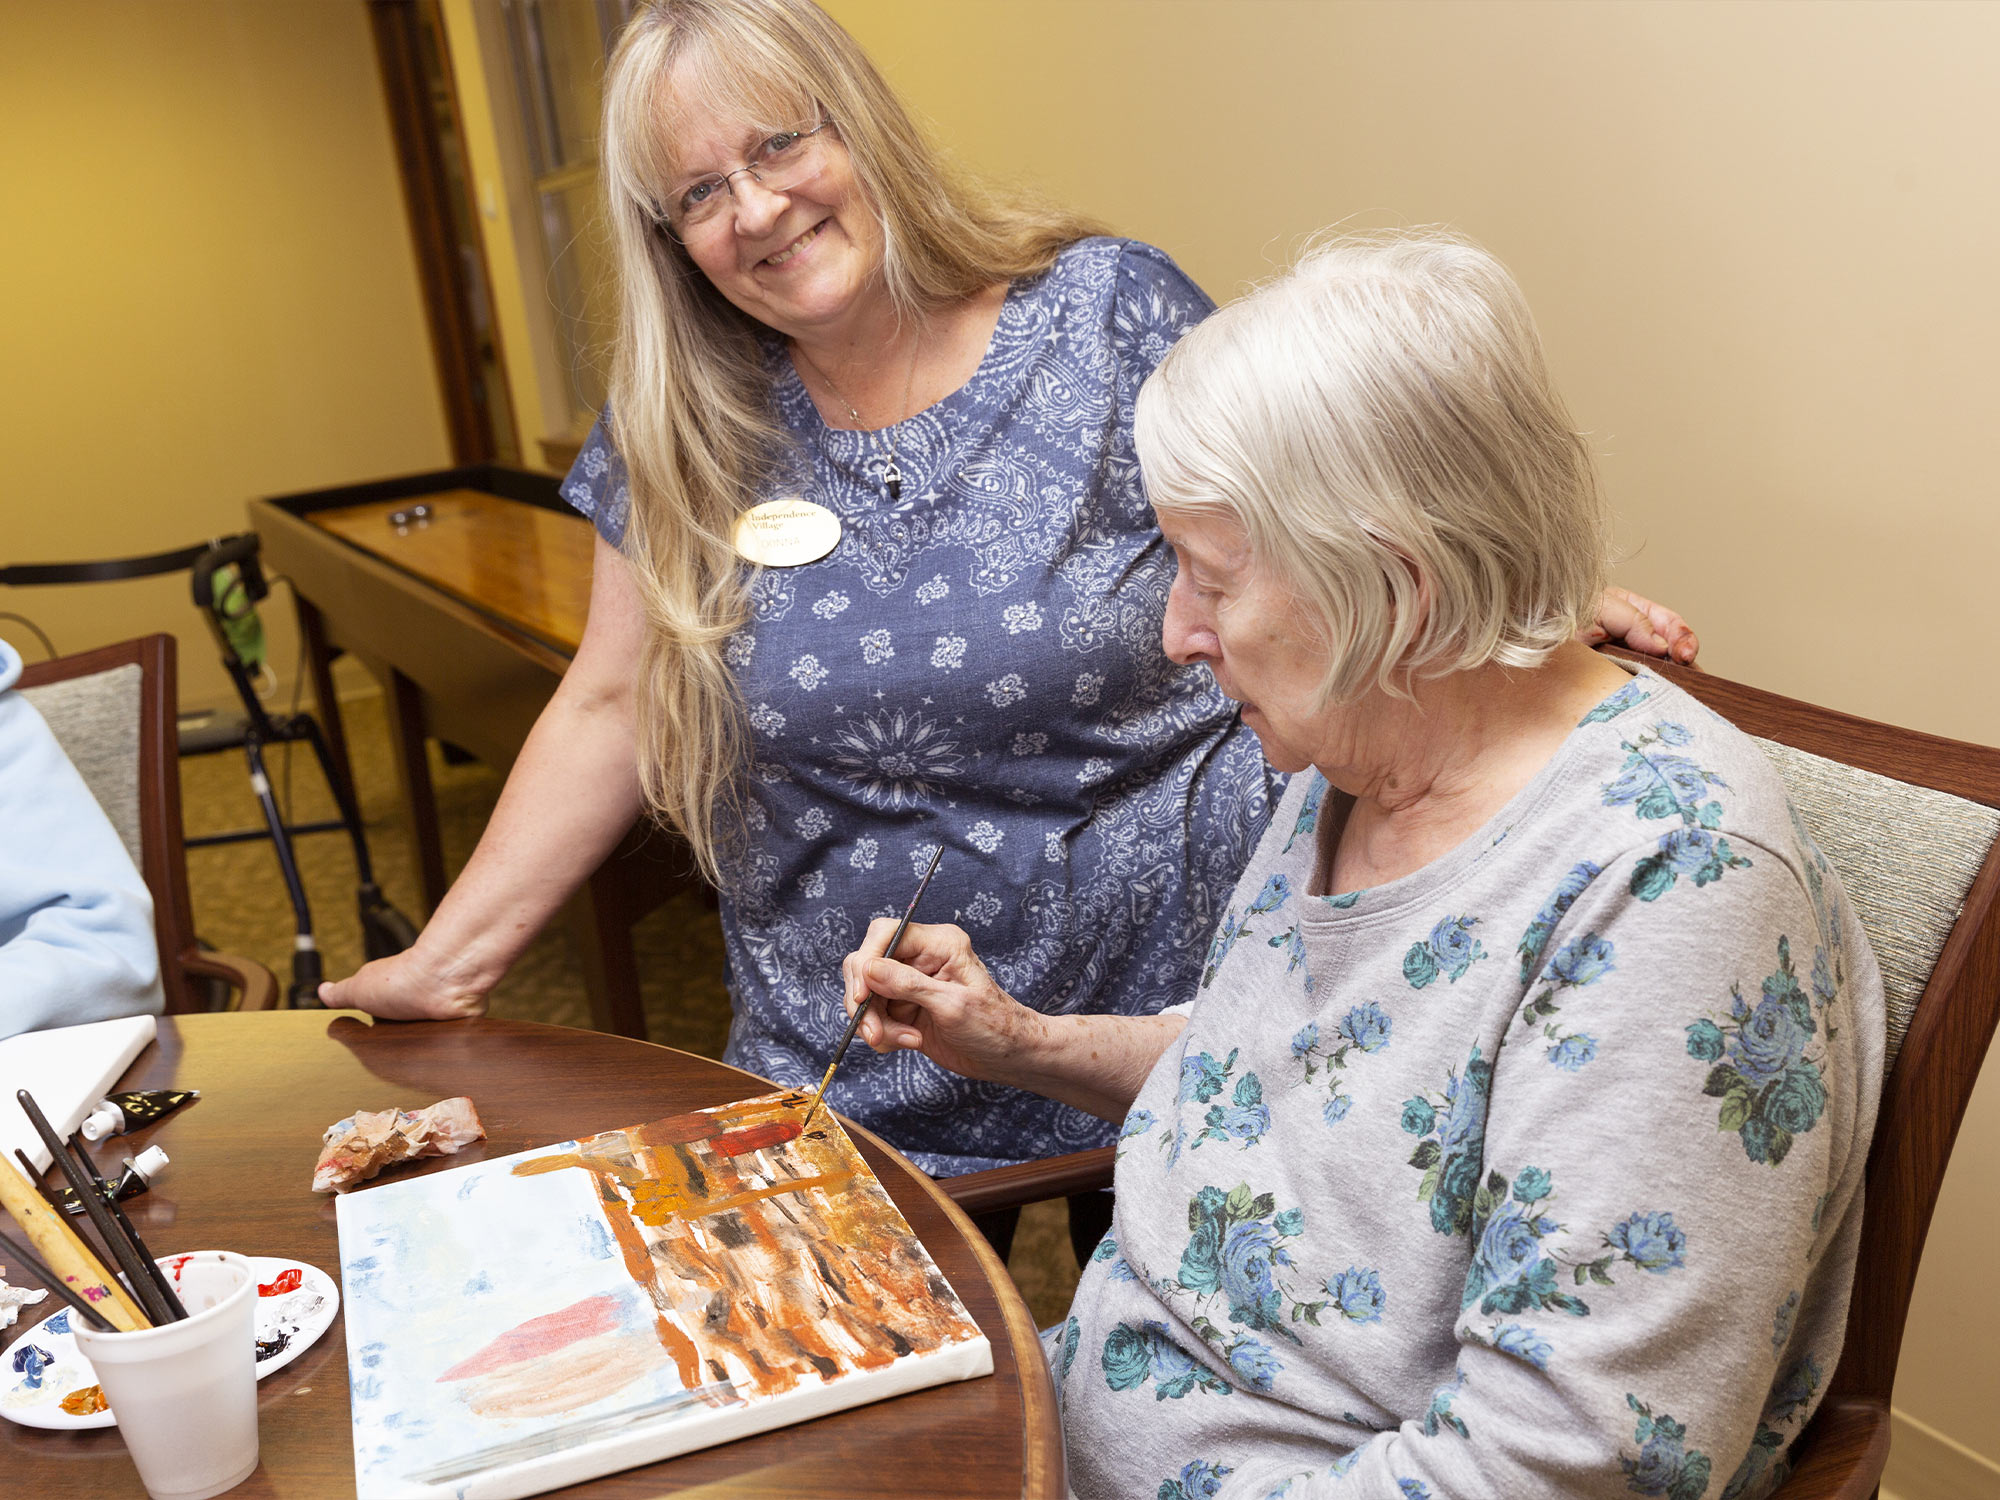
x=243, y=1154
x=468, y=620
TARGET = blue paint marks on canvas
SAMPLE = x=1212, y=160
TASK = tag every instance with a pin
x=468, y=1187
x=596, y=1239
x=371, y=1354
x=365, y=1387
x=362, y=1271
x=480, y=1283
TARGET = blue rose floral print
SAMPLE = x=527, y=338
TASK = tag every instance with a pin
x=1199, y=1480
x=1135, y=1355
x=1513, y=1271
x=1357, y=1295
x=1578, y=964
x=1629, y=696
x=1657, y=784
x=1293, y=941
x=1665, y=1465
x=1364, y=1029
x=1275, y=893
x=1440, y=1417
x=1244, y=1118
x=1238, y=1243
x=1510, y=1271
x=1107, y=1250
x=1543, y=927
x=1766, y=1068
x=1451, y=1152
x=1072, y=1331
x=1761, y=1470
x=1450, y=950
x=1308, y=818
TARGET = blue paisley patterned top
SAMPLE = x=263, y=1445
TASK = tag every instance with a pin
x=1536, y=1172
x=980, y=665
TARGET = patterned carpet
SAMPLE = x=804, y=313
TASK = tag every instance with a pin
x=240, y=907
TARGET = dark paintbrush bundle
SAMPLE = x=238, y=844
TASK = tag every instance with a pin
x=68, y=1263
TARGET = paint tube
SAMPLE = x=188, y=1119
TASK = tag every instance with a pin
x=128, y=1111
x=140, y=1173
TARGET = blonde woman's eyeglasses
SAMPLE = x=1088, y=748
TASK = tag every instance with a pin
x=779, y=162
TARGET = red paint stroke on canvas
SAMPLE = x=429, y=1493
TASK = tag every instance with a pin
x=288, y=1280
x=755, y=1137
x=541, y=1336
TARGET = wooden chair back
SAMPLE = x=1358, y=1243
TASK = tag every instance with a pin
x=85, y=699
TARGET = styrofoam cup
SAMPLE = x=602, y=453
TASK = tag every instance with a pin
x=185, y=1394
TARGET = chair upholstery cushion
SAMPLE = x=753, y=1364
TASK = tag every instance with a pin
x=1907, y=856
x=96, y=721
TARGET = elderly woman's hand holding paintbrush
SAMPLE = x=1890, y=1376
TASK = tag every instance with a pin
x=937, y=998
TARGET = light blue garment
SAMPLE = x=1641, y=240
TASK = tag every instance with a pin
x=980, y=663
x=76, y=922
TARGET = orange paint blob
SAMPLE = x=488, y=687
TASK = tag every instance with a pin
x=84, y=1402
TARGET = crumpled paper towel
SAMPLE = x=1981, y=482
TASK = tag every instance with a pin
x=13, y=1299
x=356, y=1148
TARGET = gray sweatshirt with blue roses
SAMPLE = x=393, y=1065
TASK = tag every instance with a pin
x=1537, y=1172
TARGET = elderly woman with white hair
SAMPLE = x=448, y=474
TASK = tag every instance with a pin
x=1513, y=1143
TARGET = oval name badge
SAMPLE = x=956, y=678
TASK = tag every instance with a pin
x=786, y=533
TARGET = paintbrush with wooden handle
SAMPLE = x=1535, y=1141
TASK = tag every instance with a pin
x=854, y=1021
x=65, y=1251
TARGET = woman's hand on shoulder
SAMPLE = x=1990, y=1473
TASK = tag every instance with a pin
x=937, y=998
x=408, y=986
x=1634, y=621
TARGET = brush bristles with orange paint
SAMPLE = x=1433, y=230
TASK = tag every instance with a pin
x=854, y=1021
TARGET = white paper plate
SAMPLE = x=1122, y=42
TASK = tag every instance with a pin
x=296, y=1303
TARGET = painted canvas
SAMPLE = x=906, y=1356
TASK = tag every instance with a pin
x=520, y=1324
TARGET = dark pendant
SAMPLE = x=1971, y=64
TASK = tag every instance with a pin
x=892, y=479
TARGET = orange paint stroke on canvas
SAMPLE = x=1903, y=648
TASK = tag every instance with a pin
x=770, y=1258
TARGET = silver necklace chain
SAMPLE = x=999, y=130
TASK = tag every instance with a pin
x=892, y=472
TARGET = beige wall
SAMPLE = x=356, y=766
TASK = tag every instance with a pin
x=1761, y=240
x=209, y=293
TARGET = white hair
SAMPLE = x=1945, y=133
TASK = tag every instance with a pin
x=1380, y=422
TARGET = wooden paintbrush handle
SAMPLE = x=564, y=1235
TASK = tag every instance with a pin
x=66, y=1253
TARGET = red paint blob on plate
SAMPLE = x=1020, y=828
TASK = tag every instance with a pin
x=287, y=1280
